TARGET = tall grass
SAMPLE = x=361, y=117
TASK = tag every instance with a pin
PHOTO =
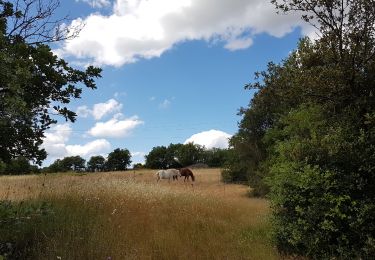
x=118, y=217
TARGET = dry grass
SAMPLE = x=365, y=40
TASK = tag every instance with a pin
x=127, y=215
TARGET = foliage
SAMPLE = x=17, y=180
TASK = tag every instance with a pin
x=138, y=166
x=323, y=202
x=182, y=155
x=215, y=157
x=19, y=223
x=308, y=134
x=19, y=165
x=73, y=163
x=35, y=85
x=118, y=160
x=96, y=164
x=70, y=163
x=56, y=166
x=189, y=154
x=157, y=158
x=233, y=168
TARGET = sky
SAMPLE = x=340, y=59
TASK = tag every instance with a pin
x=173, y=71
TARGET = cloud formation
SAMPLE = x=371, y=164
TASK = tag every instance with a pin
x=146, y=29
x=55, y=144
x=210, y=139
x=100, y=110
x=115, y=127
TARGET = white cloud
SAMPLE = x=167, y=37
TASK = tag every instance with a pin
x=210, y=139
x=96, y=3
x=115, y=127
x=239, y=44
x=165, y=104
x=92, y=148
x=55, y=138
x=108, y=107
x=55, y=144
x=100, y=110
x=146, y=29
x=83, y=111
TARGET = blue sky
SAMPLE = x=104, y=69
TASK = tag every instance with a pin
x=173, y=71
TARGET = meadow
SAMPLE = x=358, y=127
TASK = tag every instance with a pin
x=128, y=215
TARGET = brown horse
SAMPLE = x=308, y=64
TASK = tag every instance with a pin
x=187, y=173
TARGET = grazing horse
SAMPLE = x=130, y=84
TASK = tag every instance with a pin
x=187, y=173
x=167, y=174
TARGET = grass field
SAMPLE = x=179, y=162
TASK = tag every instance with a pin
x=128, y=215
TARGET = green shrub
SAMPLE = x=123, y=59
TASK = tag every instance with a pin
x=322, y=187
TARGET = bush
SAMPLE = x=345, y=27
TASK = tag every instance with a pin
x=323, y=202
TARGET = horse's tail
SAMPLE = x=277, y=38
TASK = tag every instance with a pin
x=192, y=177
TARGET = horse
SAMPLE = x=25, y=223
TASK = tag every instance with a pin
x=167, y=174
x=186, y=172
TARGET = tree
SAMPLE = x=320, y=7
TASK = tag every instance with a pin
x=308, y=134
x=157, y=158
x=18, y=166
x=35, y=85
x=189, y=154
x=215, y=157
x=96, y=163
x=73, y=163
x=174, y=156
x=55, y=167
x=118, y=160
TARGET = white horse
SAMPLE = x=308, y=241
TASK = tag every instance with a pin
x=168, y=174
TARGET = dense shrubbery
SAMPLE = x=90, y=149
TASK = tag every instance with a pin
x=308, y=138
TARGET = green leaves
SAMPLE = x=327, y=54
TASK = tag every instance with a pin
x=33, y=83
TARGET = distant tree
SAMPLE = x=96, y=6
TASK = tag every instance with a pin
x=189, y=154
x=73, y=163
x=35, y=85
x=118, y=160
x=215, y=157
x=138, y=166
x=96, y=163
x=174, y=156
x=157, y=158
x=70, y=163
x=54, y=167
x=171, y=156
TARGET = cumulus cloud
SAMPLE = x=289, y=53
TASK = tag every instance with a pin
x=210, y=139
x=115, y=127
x=55, y=144
x=100, y=110
x=91, y=148
x=146, y=29
x=54, y=141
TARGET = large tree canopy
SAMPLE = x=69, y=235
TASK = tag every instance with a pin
x=308, y=138
x=35, y=85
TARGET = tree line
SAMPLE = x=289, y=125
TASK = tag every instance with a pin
x=183, y=155
x=160, y=157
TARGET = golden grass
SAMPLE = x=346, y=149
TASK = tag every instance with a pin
x=128, y=215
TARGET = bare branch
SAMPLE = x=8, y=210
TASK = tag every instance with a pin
x=34, y=21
